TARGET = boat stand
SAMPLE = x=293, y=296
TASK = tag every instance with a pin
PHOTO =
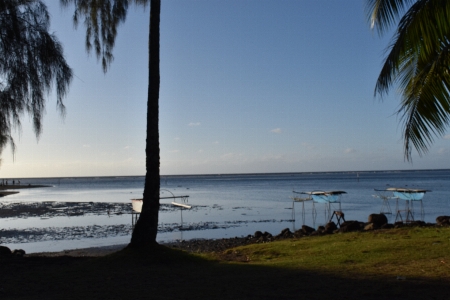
x=409, y=196
x=339, y=217
x=385, y=206
x=329, y=199
x=137, y=207
x=302, y=200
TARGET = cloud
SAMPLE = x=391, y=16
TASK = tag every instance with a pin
x=174, y=151
x=177, y=139
x=216, y=143
x=86, y=146
x=447, y=137
x=276, y=130
x=443, y=151
x=127, y=147
x=192, y=124
x=349, y=150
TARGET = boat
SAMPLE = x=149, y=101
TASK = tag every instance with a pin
x=409, y=196
x=331, y=200
x=136, y=205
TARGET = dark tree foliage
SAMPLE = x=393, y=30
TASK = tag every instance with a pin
x=101, y=19
x=417, y=65
x=31, y=63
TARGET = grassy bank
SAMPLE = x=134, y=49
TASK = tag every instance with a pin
x=406, y=263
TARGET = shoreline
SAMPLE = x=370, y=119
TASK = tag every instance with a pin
x=221, y=244
x=5, y=189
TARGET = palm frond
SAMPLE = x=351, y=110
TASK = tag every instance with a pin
x=425, y=107
x=382, y=14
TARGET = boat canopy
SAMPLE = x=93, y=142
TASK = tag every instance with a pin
x=324, y=197
x=407, y=194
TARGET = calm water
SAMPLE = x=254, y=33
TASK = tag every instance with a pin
x=224, y=205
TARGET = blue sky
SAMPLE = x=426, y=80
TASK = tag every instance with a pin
x=246, y=86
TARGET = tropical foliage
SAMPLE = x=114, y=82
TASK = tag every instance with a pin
x=31, y=61
x=417, y=63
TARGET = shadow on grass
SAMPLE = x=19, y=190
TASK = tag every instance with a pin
x=164, y=273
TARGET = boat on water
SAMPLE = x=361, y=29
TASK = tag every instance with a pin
x=409, y=196
x=330, y=199
x=136, y=205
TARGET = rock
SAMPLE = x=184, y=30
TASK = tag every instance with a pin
x=378, y=219
x=398, y=224
x=258, y=234
x=387, y=226
x=307, y=230
x=5, y=251
x=285, y=233
x=417, y=223
x=369, y=226
x=321, y=228
x=349, y=226
x=19, y=252
x=443, y=221
x=299, y=233
x=267, y=234
x=330, y=227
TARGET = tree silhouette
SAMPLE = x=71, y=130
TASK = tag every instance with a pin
x=31, y=61
x=101, y=19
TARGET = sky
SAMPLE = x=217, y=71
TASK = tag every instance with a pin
x=252, y=86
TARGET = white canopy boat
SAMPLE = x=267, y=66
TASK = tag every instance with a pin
x=409, y=196
x=137, y=205
x=331, y=199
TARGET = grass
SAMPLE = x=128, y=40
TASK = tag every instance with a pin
x=407, y=263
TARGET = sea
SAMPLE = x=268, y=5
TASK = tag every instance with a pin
x=222, y=205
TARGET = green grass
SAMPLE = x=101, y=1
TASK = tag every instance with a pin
x=408, y=263
x=406, y=252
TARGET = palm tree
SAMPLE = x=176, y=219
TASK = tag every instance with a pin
x=101, y=18
x=31, y=60
x=417, y=62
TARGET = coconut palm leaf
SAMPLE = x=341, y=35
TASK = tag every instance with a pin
x=417, y=62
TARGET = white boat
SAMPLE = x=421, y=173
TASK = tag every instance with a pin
x=405, y=194
x=137, y=206
x=331, y=199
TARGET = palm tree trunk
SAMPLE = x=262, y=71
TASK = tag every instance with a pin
x=147, y=226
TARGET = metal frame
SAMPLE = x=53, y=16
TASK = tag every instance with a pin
x=324, y=198
x=406, y=195
x=182, y=204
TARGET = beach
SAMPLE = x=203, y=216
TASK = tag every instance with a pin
x=71, y=213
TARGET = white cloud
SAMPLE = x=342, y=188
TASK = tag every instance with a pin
x=216, y=143
x=443, y=151
x=194, y=124
x=349, y=150
x=86, y=146
x=276, y=130
x=177, y=139
x=126, y=147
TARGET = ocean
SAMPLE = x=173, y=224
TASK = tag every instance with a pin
x=223, y=206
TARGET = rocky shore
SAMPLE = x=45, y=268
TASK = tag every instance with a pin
x=220, y=245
